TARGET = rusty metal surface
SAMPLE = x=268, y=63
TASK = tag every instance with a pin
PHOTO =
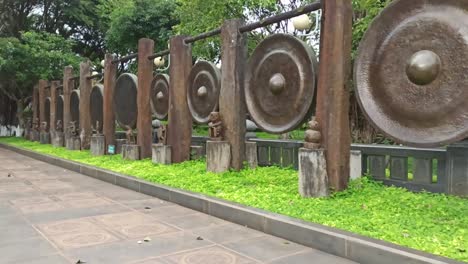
x=204, y=85
x=75, y=107
x=160, y=96
x=125, y=100
x=96, y=106
x=411, y=73
x=280, y=83
x=59, y=109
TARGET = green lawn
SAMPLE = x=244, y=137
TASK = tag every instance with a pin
x=430, y=222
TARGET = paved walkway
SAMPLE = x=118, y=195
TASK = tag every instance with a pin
x=51, y=215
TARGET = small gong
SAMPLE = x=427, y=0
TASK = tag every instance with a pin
x=280, y=83
x=204, y=84
x=75, y=107
x=411, y=72
x=125, y=100
x=96, y=106
x=160, y=96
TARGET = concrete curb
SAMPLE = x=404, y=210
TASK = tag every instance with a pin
x=331, y=240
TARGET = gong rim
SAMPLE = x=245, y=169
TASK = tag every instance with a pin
x=96, y=105
x=426, y=109
x=280, y=83
x=75, y=107
x=125, y=100
x=204, y=85
x=160, y=96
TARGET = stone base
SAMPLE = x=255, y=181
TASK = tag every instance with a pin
x=313, y=179
x=218, y=156
x=196, y=152
x=251, y=154
x=44, y=138
x=161, y=154
x=98, y=145
x=73, y=143
x=118, y=145
x=58, y=139
x=131, y=152
x=355, y=164
x=35, y=136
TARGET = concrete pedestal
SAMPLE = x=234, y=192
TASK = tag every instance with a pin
x=196, y=152
x=457, y=169
x=251, y=154
x=73, y=143
x=44, y=138
x=218, y=156
x=355, y=164
x=98, y=145
x=131, y=152
x=35, y=136
x=313, y=179
x=118, y=145
x=57, y=139
x=161, y=154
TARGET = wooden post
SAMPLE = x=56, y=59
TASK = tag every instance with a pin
x=110, y=76
x=35, y=103
x=42, y=96
x=67, y=88
x=179, y=132
x=53, y=103
x=145, y=77
x=333, y=89
x=85, y=116
x=231, y=100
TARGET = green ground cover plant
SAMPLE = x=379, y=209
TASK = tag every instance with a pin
x=434, y=223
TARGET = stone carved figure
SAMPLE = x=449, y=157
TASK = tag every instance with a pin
x=131, y=140
x=313, y=137
x=59, y=126
x=73, y=129
x=36, y=124
x=162, y=134
x=215, y=127
x=44, y=126
x=97, y=129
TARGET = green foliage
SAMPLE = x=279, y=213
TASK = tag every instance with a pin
x=430, y=222
x=32, y=57
x=131, y=20
x=364, y=12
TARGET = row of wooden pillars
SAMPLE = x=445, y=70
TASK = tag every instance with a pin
x=332, y=98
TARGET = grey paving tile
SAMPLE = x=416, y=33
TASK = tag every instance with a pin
x=311, y=256
x=128, y=251
x=226, y=233
x=146, y=204
x=209, y=255
x=196, y=221
x=168, y=212
x=54, y=259
x=265, y=248
x=26, y=249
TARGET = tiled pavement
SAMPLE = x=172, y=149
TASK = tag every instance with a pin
x=51, y=215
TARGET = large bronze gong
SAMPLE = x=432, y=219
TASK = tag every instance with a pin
x=411, y=74
x=160, y=96
x=59, y=110
x=96, y=106
x=47, y=112
x=125, y=100
x=75, y=107
x=204, y=84
x=280, y=83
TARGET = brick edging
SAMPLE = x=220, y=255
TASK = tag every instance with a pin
x=331, y=240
